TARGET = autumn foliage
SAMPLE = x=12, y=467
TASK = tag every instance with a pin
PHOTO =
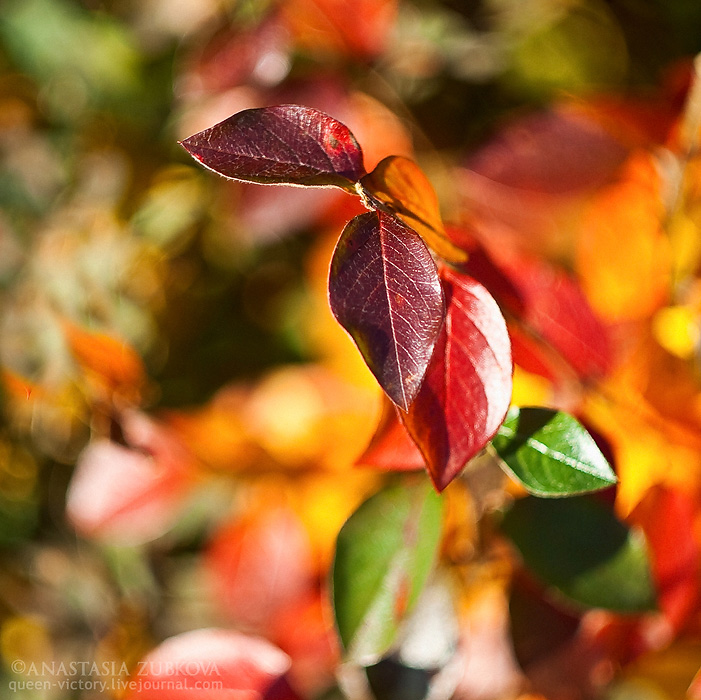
x=383, y=383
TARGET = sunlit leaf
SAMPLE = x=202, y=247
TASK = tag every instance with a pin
x=212, y=663
x=384, y=554
x=285, y=144
x=467, y=388
x=551, y=453
x=401, y=184
x=577, y=546
x=385, y=291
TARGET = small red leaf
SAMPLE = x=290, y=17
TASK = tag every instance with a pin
x=209, y=664
x=467, y=388
x=391, y=447
x=285, y=144
x=384, y=289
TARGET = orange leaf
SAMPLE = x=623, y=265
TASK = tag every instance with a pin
x=400, y=183
x=110, y=365
x=17, y=386
x=355, y=27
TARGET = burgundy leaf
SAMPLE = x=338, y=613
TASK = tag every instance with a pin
x=384, y=289
x=286, y=144
x=467, y=389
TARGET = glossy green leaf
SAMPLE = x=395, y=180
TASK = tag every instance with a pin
x=551, y=453
x=384, y=554
x=581, y=549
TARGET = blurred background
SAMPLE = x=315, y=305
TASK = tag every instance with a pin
x=179, y=407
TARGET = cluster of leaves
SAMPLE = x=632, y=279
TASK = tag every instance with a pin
x=180, y=394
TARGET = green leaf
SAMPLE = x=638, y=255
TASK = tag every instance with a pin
x=384, y=554
x=551, y=453
x=578, y=546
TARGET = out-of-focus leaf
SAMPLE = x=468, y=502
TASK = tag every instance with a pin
x=668, y=518
x=257, y=55
x=400, y=183
x=109, y=364
x=305, y=632
x=384, y=289
x=551, y=309
x=526, y=187
x=259, y=565
x=212, y=663
x=384, y=554
x=467, y=389
x=129, y=495
x=623, y=256
x=323, y=26
x=391, y=446
x=558, y=151
x=285, y=144
x=551, y=453
x=577, y=546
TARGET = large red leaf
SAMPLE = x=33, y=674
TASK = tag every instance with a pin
x=384, y=289
x=467, y=388
x=284, y=144
x=212, y=664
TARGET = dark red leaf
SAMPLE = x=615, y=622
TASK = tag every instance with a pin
x=391, y=447
x=384, y=289
x=467, y=389
x=285, y=144
x=557, y=311
x=555, y=151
